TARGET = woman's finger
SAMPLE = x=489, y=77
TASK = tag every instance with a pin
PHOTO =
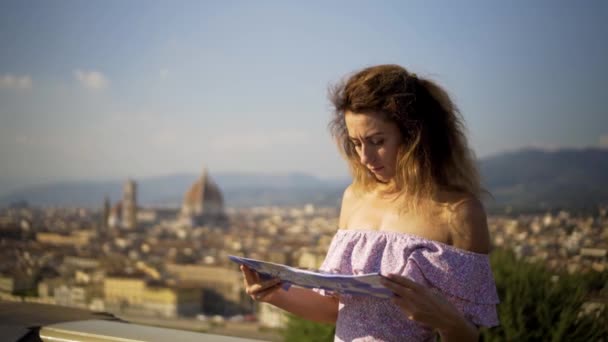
x=254, y=288
x=412, y=309
x=262, y=294
x=405, y=282
x=256, y=276
x=406, y=305
x=249, y=275
x=397, y=288
x=259, y=291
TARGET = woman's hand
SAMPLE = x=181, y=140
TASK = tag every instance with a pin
x=428, y=307
x=258, y=290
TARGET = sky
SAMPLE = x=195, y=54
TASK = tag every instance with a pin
x=99, y=90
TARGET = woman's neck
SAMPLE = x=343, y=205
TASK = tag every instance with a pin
x=386, y=190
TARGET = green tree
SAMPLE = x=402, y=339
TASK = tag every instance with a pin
x=538, y=305
x=301, y=330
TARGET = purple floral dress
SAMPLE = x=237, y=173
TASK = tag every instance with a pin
x=462, y=277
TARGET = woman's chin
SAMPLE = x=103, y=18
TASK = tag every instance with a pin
x=382, y=178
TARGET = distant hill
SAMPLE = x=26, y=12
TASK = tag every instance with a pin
x=239, y=189
x=536, y=178
x=527, y=178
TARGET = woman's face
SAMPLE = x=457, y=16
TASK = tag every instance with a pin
x=376, y=141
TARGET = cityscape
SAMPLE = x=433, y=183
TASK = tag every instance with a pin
x=169, y=266
x=143, y=143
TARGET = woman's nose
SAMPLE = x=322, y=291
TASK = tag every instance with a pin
x=366, y=155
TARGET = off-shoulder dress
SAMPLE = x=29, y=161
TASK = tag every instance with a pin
x=463, y=277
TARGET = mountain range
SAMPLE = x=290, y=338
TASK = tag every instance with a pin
x=570, y=178
x=529, y=178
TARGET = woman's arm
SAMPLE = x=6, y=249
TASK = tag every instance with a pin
x=299, y=301
x=307, y=304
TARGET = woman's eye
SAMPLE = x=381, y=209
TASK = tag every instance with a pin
x=378, y=142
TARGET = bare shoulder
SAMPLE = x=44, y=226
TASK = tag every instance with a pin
x=348, y=199
x=468, y=225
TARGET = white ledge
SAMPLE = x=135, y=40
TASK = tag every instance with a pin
x=109, y=331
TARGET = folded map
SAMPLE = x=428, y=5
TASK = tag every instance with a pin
x=361, y=284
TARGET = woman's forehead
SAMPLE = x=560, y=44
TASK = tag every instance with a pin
x=366, y=124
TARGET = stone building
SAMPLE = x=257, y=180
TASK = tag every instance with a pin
x=134, y=294
x=129, y=205
x=203, y=202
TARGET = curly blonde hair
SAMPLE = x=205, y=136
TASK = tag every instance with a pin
x=434, y=155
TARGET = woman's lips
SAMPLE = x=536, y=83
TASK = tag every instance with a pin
x=376, y=169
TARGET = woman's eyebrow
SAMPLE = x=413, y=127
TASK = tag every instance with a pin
x=366, y=137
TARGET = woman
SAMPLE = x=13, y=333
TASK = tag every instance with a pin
x=412, y=213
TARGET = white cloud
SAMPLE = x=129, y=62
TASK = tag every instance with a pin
x=91, y=79
x=9, y=81
x=603, y=141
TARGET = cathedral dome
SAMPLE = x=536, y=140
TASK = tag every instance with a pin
x=204, y=198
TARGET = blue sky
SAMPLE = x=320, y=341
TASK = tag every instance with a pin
x=114, y=89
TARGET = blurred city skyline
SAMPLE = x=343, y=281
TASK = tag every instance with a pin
x=106, y=90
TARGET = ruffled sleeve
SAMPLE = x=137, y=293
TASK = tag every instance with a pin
x=464, y=278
